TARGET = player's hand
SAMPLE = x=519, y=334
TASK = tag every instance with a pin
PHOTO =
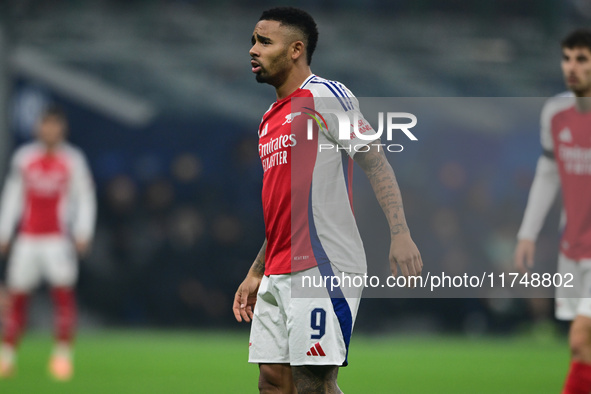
x=4, y=248
x=82, y=247
x=245, y=298
x=405, y=254
x=524, y=254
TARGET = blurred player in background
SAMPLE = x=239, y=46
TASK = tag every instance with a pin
x=299, y=343
x=49, y=199
x=566, y=164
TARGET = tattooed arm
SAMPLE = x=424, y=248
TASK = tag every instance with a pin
x=246, y=295
x=258, y=267
x=403, y=250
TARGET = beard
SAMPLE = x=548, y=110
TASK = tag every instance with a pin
x=581, y=91
x=260, y=77
x=275, y=79
x=280, y=64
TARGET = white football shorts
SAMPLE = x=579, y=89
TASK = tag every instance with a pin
x=302, y=331
x=34, y=258
x=576, y=300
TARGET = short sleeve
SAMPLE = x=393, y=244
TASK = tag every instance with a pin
x=552, y=107
x=346, y=125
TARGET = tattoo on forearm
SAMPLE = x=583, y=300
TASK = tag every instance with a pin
x=383, y=181
x=397, y=229
x=258, y=267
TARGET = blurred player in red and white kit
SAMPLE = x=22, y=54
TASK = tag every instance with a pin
x=300, y=343
x=49, y=201
x=566, y=164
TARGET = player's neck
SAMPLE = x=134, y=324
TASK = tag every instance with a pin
x=584, y=102
x=51, y=148
x=295, y=79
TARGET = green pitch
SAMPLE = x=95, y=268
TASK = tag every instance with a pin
x=206, y=362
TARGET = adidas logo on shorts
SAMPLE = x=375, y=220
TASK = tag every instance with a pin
x=316, y=350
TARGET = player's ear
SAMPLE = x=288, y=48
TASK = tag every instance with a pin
x=297, y=49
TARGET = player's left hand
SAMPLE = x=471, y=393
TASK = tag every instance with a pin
x=246, y=298
x=405, y=254
x=524, y=255
x=4, y=249
x=82, y=247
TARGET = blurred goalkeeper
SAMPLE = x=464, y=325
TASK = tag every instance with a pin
x=49, y=199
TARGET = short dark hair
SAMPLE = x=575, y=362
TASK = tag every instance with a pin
x=299, y=19
x=54, y=111
x=578, y=38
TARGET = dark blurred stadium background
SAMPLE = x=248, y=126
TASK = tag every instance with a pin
x=161, y=98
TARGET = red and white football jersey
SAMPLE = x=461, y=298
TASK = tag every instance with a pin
x=567, y=133
x=307, y=194
x=48, y=194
